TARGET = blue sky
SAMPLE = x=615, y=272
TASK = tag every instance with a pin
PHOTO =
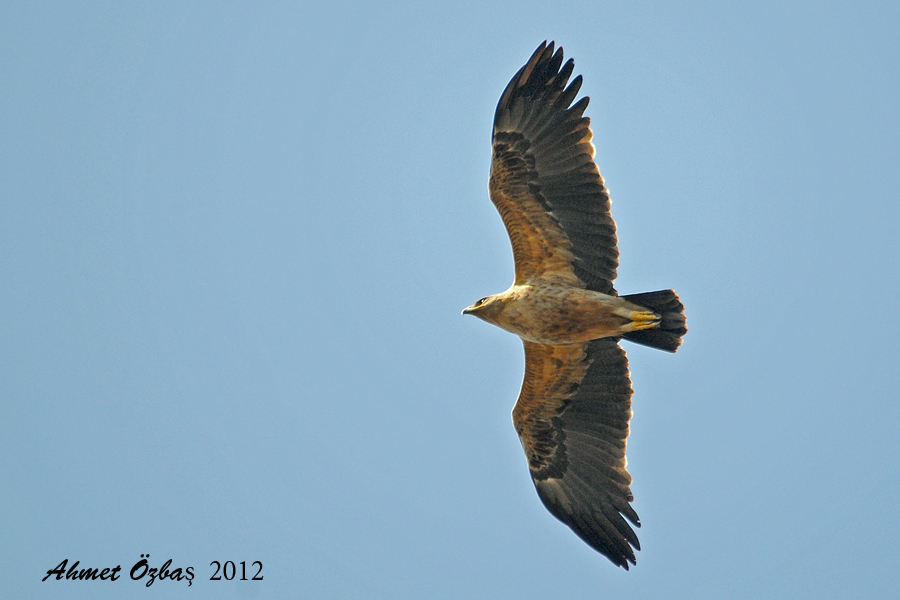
x=236, y=240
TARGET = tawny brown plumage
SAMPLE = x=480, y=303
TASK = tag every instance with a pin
x=573, y=411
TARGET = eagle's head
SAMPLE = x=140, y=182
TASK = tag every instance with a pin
x=488, y=308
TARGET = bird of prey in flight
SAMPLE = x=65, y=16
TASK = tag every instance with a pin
x=575, y=404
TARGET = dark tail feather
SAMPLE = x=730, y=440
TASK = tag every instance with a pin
x=672, y=326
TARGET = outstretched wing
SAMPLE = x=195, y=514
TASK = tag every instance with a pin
x=544, y=182
x=572, y=418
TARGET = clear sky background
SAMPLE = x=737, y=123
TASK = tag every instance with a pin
x=235, y=240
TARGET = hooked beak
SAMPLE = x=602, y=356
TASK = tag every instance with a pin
x=469, y=310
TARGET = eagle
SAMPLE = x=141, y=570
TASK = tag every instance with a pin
x=572, y=415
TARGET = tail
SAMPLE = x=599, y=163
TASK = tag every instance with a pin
x=672, y=326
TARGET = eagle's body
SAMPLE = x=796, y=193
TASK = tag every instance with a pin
x=548, y=312
x=573, y=411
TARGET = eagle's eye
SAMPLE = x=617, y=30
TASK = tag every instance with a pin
x=482, y=301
